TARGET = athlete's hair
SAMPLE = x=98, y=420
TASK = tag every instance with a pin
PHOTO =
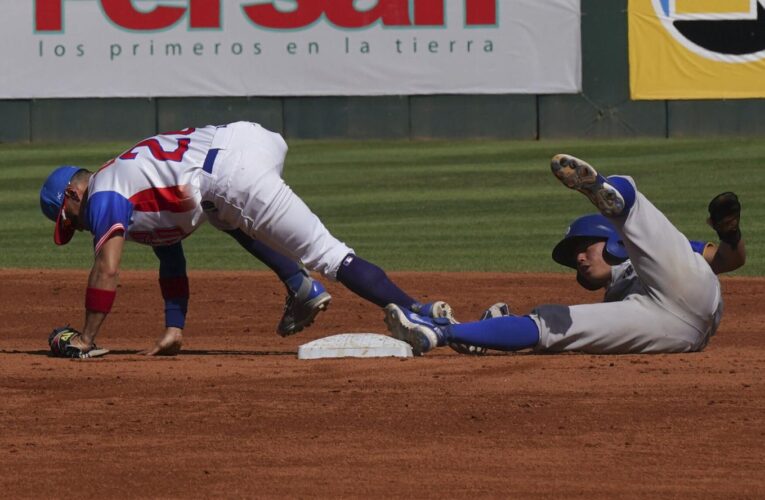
x=81, y=175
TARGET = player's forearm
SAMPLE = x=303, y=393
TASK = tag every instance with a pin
x=99, y=298
x=106, y=264
x=727, y=258
x=102, y=286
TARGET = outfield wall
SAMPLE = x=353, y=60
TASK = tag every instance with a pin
x=603, y=109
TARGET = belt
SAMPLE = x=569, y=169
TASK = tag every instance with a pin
x=212, y=154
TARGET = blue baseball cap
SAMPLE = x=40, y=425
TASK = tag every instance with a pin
x=52, y=198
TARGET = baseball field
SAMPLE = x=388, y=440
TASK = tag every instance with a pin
x=470, y=222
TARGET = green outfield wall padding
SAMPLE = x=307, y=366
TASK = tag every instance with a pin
x=490, y=116
x=174, y=113
x=86, y=120
x=738, y=117
x=603, y=109
x=605, y=64
x=384, y=117
x=575, y=116
x=15, y=121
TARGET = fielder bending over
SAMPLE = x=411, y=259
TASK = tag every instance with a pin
x=662, y=294
x=162, y=189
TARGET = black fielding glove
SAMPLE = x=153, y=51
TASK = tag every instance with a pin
x=724, y=217
x=60, y=342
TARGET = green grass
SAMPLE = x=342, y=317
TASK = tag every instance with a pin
x=446, y=206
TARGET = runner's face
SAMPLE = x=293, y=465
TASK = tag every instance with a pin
x=591, y=267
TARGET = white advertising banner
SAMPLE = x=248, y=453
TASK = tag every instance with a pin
x=163, y=48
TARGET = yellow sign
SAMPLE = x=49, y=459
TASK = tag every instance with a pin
x=697, y=49
x=729, y=8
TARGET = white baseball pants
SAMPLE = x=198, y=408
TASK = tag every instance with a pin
x=248, y=192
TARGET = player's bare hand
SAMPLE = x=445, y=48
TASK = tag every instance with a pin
x=168, y=345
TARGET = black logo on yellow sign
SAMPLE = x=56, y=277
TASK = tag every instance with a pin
x=719, y=29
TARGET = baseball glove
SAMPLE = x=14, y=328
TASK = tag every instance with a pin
x=60, y=342
x=724, y=217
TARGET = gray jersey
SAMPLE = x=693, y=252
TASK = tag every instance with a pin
x=624, y=282
x=664, y=299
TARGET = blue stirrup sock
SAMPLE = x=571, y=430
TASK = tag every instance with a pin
x=626, y=189
x=508, y=333
x=371, y=283
x=173, y=283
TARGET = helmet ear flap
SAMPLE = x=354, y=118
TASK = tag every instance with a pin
x=615, y=252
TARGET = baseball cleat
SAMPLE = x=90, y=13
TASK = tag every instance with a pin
x=497, y=310
x=422, y=333
x=301, y=308
x=434, y=310
x=468, y=349
x=579, y=175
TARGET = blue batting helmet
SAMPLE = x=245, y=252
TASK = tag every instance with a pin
x=52, y=197
x=590, y=226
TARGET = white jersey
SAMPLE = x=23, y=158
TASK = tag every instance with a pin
x=151, y=192
x=154, y=194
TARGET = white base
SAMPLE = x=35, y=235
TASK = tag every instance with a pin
x=355, y=345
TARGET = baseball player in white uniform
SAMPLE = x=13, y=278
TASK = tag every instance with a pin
x=662, y=295
x=162, y=189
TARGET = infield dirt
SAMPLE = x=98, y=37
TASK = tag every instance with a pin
x=237, y=415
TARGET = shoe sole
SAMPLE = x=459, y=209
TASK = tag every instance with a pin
x=498, y=310
x=443, y=310
x=94, y=353
x=579, y=175
x=420, y=338
x=317, y=304
x=468, y=349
